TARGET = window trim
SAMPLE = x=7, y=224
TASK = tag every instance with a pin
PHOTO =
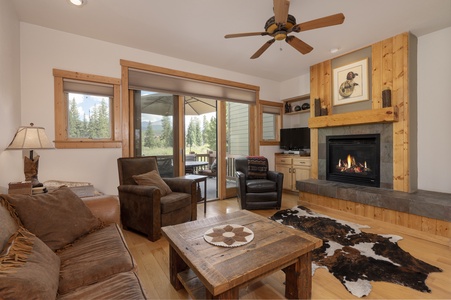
x=62, y=140
x=127, y=127
x=278, y=105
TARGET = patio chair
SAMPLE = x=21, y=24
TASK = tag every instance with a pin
x=190, y=157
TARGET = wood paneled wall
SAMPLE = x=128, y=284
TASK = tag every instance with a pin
x=320, y=87
x=432, y=226
x=390, y=69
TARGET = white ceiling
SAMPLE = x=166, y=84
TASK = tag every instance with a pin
x=194, y=30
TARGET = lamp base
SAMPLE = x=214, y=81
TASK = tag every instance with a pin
x=31, y=171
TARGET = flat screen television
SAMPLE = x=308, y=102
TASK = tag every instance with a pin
x=295, y=138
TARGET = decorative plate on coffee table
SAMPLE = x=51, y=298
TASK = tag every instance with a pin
x=230, y=235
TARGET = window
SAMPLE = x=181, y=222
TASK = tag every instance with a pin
x=271, y=120
x=87, y=110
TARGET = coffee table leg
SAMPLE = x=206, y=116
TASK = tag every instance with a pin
x=299, y=278
x=176, y=265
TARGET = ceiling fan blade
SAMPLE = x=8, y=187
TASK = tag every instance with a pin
x=262, y=49
x=319, y=23
x=235, y=35
x=299, y=45
x=281, y=11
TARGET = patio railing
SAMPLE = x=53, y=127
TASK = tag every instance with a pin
x=165, y=165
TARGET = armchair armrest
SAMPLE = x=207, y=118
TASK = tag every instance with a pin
x=139, y=205
x=275, y=176
x=278, y=178
x=241, y=183
x=105, y=207
x=141, y=190
x=188, y=186
x=180, y=185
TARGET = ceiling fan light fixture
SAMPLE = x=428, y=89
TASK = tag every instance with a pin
x=280, y=35
x=271, y=26
x=291, y=21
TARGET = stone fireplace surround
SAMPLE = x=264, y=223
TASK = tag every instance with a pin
x=428, y=204
x=393, y=65
x=386, y=154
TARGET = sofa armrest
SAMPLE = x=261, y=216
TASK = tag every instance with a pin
x=105, y=207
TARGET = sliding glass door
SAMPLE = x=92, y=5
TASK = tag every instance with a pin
x=201, y=140
x=153, y=120
x=179, y=129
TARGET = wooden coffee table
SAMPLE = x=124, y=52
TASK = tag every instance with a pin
x=207, y=271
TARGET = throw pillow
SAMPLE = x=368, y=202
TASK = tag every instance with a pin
x=58, y=218
x=153, y=178
x=257, y=167
x=28, y=268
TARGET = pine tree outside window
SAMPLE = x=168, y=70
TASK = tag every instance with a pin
x=89, y=116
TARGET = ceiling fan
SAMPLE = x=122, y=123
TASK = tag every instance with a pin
x=282, y=24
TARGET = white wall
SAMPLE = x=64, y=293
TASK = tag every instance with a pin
x=288, y=89
x=9, y=93
x=434, y=108
x=43, y=49
x=294, y=87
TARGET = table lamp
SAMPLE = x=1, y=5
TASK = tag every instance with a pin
x=30, y=138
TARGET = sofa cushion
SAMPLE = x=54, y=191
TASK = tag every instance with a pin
x=93, y=258
x=154, y=179
x=66, y=216
x=260, y=186
x=8, y=224
x=125, y=285
x=28, y=268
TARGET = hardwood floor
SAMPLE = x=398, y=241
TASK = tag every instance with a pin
x=153, y=268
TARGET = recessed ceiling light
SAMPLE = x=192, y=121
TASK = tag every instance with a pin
x=78, y=3
x=334, y=50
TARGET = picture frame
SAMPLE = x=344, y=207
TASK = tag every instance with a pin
x=350, y=83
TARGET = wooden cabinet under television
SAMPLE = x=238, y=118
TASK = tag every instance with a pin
x=294, y=168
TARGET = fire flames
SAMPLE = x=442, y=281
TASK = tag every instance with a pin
x=349, y=165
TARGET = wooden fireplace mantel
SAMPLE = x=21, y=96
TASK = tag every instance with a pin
x=380, y=115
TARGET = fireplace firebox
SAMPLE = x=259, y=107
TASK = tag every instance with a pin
x=353, y=159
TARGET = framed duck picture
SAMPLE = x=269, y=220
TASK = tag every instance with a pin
x=350, y=83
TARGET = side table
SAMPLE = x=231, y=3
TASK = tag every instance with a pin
x=199, y=179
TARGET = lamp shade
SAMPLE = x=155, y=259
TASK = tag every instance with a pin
x=30, y=137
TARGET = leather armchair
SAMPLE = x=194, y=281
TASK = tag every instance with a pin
x=143, y=209
x=258, y=191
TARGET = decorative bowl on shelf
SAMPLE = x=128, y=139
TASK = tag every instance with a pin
x=297, y=108
x=305, y=106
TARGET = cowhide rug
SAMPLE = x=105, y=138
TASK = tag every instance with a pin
x=354, y=257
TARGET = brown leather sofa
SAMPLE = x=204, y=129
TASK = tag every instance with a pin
x=259, y=188
x=143, y=208
x=54, y=247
